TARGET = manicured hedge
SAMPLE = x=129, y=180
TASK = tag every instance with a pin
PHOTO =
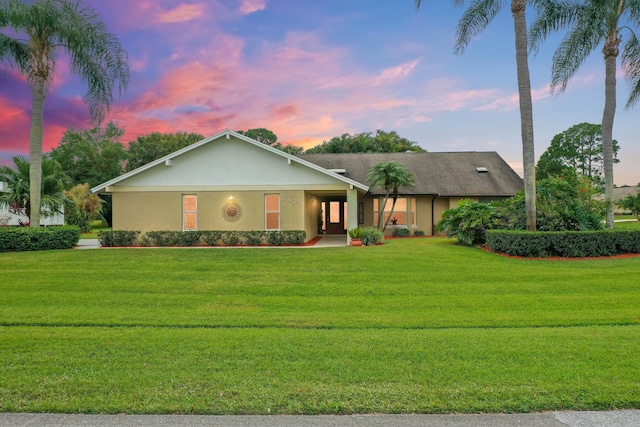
x=20, y=239
x=568, y=244
x=206, y=237
x=118, y=238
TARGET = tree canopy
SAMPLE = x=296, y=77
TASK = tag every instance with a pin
x=91, y=156
x=261, y=135
x=367, y=142
x=578, y=148
x=148, y=148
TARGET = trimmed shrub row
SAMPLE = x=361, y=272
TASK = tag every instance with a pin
x=20, y=239
x=207, y=237
x=570, y=244
x=111, y=238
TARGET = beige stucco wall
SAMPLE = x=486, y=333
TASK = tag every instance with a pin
x=154, y=211
x=311, y=213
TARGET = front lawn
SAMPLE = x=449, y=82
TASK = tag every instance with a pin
x=415, y=325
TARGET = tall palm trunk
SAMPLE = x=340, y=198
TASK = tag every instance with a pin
x=610, y=51
x=35, y=150
x=518, y=8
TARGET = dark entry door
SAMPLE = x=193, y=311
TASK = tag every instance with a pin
x=334, y=216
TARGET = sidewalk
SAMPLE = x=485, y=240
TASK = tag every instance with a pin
x=629, y=418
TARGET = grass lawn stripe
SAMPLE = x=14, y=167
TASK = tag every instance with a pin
x=259, y=371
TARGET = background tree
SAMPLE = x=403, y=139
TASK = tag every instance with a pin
x=366, y=142
x=148, y=148
x=290, y=149
x=474, y=20
x=44, y=28
x=17, y=179
x=261, y=135
x=578, y=148
x=82, y=207
x=592, y=23
x=390, y=176
x=91, y=156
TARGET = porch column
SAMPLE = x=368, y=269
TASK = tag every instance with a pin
x=352, y=210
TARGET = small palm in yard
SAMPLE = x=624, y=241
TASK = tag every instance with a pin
x=17, y=179
x=44, y=28
x=631, y=203
x=390, y=176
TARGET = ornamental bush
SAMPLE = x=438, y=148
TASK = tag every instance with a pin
x=562, y=203
x=253, y=238
x=211, y=237
x=117, y=238
x=372, y=236
x=401, y=232
x=172, y=238
x=19, y=239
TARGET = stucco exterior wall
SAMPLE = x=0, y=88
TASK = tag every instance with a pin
x=155, y=211
x=151, y=211
x=311, y=214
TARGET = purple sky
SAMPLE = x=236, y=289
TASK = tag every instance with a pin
x=313, y=70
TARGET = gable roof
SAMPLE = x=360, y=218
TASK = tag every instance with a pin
x=187, y=154
x=444, y=174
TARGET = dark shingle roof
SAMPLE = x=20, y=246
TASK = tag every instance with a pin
x=443, y=174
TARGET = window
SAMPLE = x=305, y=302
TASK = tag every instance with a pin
x=189, y=212
x=401, y=212
x=272, y=212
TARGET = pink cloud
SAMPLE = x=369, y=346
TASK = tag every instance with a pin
x=250, y=6
x=181, y=13
x=395, y=73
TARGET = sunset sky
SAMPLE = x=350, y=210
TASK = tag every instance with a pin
x=312, y=70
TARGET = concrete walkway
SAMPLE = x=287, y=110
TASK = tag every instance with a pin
x=325, y=242
x=629, y=418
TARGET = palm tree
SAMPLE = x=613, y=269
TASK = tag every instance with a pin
x=631, y=203
x=390, y=176
x=474, y=20
x=43, y=29
x=592, y=23
x=17, y=180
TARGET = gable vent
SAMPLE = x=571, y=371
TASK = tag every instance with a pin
x=482, y=169
x=338, y=171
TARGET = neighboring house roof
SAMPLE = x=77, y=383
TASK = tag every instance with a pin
x=622, y=192
x=223, y=168
x=456, y=174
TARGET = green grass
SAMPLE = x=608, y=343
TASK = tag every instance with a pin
x=627, y=225
x=415, y=325
x=96, y=227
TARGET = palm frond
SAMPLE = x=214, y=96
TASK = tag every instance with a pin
x=586, y=34
x=631, y=68
x=551, y=16
x=474, y=20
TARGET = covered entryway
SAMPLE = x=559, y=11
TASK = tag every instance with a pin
x=334, y=212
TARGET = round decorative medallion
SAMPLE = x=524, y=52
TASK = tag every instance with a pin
x=231, y=212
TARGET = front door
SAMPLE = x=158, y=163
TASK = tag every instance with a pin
x=335, y=213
